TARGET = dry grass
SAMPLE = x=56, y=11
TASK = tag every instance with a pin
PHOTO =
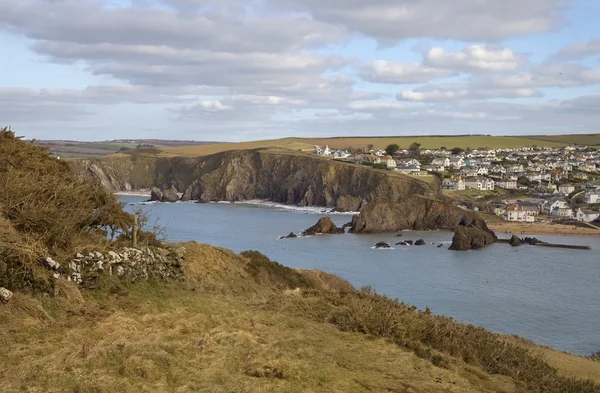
x=236, y=328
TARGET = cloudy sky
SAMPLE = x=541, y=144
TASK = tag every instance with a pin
x=254, y=69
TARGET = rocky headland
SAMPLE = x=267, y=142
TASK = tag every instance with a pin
x=293, y=179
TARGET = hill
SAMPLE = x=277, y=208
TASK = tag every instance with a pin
x=91, y=313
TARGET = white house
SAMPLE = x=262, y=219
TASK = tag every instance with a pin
x=457, y=162
x=480, y=183
x=453, y=184
x=566, y=189
x=548, y=206
x=507, y=184
x=444, y=161
x=565, y=212
x=586, y=215
x=482, y=170
x=592, y=197
x=408, y=169
x=516, y=213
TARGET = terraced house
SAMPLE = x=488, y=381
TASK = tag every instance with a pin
x=480, y=183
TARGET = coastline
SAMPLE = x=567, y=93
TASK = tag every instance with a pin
x=542, y=229
x=133, y=193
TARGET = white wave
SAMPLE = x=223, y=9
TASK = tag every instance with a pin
x=383, y=248
x=293, y=208
x=133, y=193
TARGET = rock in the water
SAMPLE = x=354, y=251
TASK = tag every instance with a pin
x=440, y=245
x=167, y=195
x=292, y=235
x=415, y=212
x=515, y=241
x=420, y=242
x=382, y=245
x=5, y=295
x=409, y=242
x=347, y=225
x=532, y=241
x=472, y=237
x=323, y=226
x=399, y=234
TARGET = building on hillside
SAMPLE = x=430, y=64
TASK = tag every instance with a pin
x=549, y=205
x=530, y=208
x=434, y=168
x=480, y=183
x=455, y=183
x=408, y=169
x=592, y=197
x=566, y=189
x=587, y=215
x=516, y=213
x=444, y=161
x=507, y=184
x=563, y=212
x=457, y=162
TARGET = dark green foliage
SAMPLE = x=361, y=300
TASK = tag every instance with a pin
x=390, y=150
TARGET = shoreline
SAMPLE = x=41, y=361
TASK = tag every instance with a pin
x=542, y=229
x=133, y=193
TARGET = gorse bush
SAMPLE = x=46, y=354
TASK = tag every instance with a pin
x=45, y=210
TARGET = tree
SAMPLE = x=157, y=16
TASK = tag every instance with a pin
x=456, y=151
x=390, y=150
x=370, y=147
x=415, y=148
x=443, y=148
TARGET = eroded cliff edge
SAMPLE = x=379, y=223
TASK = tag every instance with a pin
x=256, y=174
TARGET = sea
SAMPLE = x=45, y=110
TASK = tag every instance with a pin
x=548, y=295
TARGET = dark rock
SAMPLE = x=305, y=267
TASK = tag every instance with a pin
x=420, y=242
x=167, y=195
x=323, y=226
x=408, y=242
x=382, y=245
x=472, y=237
x=532, y=241
x=347, y=225
x=292, y=235
x=440, y=245
x=414, y=212
x=515, y=241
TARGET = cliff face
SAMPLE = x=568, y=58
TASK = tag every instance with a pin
x=415, y=212
x=251, y=174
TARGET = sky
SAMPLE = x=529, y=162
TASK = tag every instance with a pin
x=237, y=70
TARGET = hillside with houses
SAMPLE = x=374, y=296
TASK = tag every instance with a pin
x=525, y=184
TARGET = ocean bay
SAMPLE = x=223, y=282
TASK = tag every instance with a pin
x=550, y=296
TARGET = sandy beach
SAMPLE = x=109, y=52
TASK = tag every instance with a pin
x=542, y=229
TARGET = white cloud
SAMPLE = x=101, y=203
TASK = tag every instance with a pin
x=579, y=50
x=474, y=58
x=382, y=71
x=214, y=106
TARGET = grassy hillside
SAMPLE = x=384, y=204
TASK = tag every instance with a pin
x=579, y=139
x=245, y=324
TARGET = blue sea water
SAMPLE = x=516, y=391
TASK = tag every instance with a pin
x=551, y=296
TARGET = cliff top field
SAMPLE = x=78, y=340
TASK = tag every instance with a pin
x=427, y=142
x=69, y=149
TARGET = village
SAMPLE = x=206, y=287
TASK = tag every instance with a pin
x=525, y=184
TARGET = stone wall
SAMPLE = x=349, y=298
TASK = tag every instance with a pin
x=128, y=264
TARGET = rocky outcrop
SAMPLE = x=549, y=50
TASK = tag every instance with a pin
x=414, y=212
x=292, y=235
x=382, y=245
x=515, y=241
x=167, y=195
x=293, y=179
x=472, y=237
x=420, y=242
x=323, y=226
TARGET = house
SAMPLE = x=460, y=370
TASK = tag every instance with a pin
x=586, y=215
x=434, y=168
x=457, y=162
x=530, y=208
x=482, y=170
x=444, y=161
x=409, y=162
x=387, y=160
x=456, y=184
x=472, y=163
x=566, y=189
x=480, y=183
x=468, y=172
x=549, y=205
x=408, y=169
x=592, y=197
x=516, y=213
x=515, y=168
x=323, y=152
x=565, y=212
x=497, y=169
x=341, y=154
x=507, y=184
